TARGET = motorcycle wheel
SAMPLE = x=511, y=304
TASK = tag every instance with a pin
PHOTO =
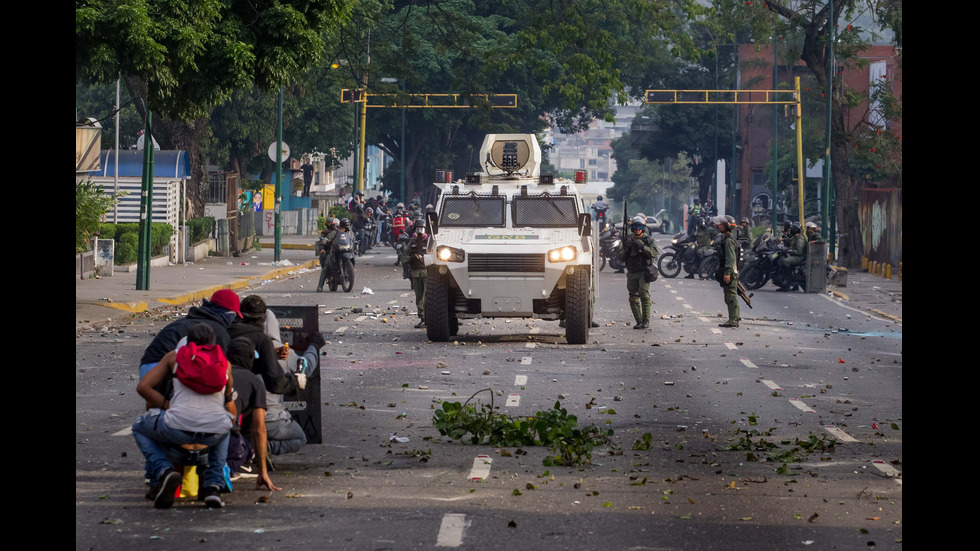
x=753, y=277
x=708, y=267
x=333, y=282
x=603, y=265
x=347, y=276
x=617, y=264
x=668, y=265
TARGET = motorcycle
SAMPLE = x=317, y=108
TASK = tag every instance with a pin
x=600, y=216
x=367, y=234
x=343, y=274
x=760, y=263
x=680, y=254
x=788, y=278
x=609, y=246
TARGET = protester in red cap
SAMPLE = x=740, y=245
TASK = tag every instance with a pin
x=218, y=313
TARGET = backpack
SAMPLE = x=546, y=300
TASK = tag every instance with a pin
x=203, y=369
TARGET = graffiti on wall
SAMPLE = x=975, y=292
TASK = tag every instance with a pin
x=880, y=211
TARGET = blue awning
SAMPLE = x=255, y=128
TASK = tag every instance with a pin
x=170, y=164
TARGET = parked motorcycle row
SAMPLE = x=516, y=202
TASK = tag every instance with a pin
x=757, y=266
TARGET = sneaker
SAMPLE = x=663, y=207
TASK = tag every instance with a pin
x=168, y=486
x=212, y=497
x=420, y=324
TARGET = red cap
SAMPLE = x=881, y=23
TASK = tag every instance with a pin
x=228, y=300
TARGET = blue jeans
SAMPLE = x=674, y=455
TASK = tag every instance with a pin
x=153, y=436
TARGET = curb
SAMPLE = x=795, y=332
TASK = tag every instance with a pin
x=136, y=307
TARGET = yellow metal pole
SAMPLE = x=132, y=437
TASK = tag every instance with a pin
x=799, y=146
x=360, y=159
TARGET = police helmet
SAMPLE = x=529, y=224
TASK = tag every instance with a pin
x=335, y=222
x=419, y=224
x=344, y=223
x=638, y=223
x=795, y=228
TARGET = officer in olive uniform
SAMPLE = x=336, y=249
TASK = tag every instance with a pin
x=413, y=256
x=727, y=274
x=638, y=252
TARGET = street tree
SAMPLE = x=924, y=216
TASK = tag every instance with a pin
x=813, y=21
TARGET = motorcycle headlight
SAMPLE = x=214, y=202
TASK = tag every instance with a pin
x=673, y=241
x=617, y=243
x=449, y=254
x=564, y=254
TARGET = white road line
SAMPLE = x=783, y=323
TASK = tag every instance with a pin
x=360, y=318
x=392, y=302
x=520, y=380
x=125, y=432
x=841, y=435
x=530, y=345
x=513, y=400
x=803, y=407
x=340, y=329
x=451, y=530
x=526, y=360
x=888, y=470
x=481, y=467
x=679, y=298
x=747, y=363
x=730, y=345
x=688, y=306
x=705, y=320
x=716, y=331
x=771, y=384
x=535, y=330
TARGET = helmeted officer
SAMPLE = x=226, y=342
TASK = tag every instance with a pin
x=638, y=252
x=727, y=274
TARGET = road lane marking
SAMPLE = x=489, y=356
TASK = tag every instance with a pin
x=716, y=331
x=125, y=432
x=451, y=530
x=841, y=435
x=360, y=318
x=730, y=345
x=747, y=363
x=530, y=345
x=513, y=400
x=535, y=330
x=520, y=380
x=481, y=467
x=340, y=329
x=688, y=306
x=888, y=470
x=679, y=298
x=799, y=404
x=771, y=384
x=526, y=360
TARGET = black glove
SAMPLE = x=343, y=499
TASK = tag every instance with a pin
x=316, y=339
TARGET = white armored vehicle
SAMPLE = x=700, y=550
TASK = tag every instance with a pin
x=508, y=242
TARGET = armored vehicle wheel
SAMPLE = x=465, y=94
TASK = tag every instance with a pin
x=437, y=315
x=578, y=306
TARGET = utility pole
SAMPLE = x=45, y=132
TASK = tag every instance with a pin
x=146, y=209
x=278, y=187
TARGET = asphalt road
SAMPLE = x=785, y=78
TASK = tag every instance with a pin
x=785, y=433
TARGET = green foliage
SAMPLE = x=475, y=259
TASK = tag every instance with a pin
x=200, y=229
x=554, y=428
x=191, y=55
x=126, y=236
x=339, y=212
x=91, y=203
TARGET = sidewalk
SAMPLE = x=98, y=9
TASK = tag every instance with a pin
x=100, y=302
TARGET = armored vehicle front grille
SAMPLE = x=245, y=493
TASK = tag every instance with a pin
x=506, y=263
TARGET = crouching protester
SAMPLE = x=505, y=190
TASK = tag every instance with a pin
x=200, y=411
x=249, y=441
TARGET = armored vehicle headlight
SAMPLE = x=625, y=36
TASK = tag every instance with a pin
x=449, y=254
x=563, y=254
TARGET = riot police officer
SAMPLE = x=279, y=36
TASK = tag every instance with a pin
x=727, y=274
x=639, y=251
x=413, y=256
